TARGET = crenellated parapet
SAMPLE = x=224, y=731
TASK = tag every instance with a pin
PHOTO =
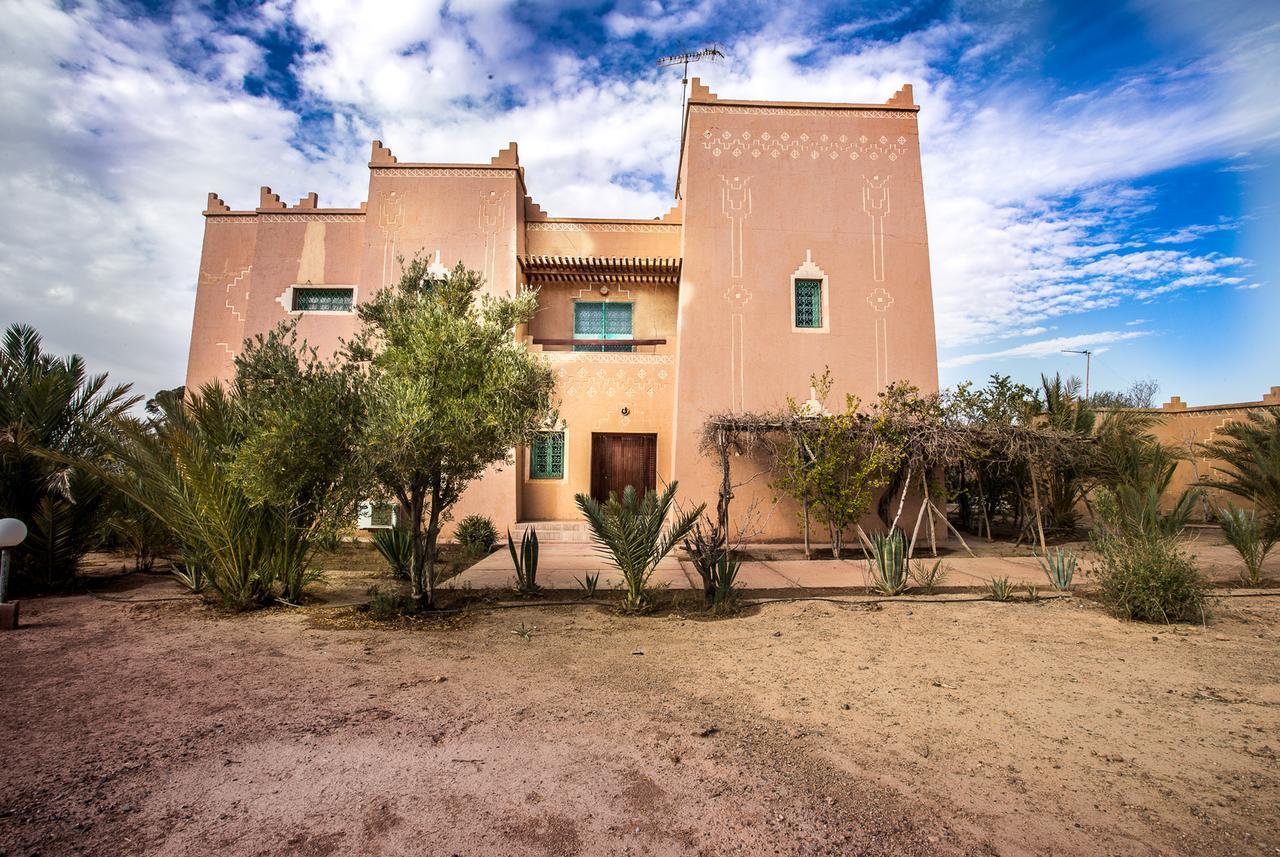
x=268, y=201
x=381, y=156
x=508, y=157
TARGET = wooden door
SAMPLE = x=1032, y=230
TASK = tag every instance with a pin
x=619, y=460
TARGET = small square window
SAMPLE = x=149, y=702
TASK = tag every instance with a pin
x=602, y=320
x=546, y=459
x=808, y=303
x=322, y=300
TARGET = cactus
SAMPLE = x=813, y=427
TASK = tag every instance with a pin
x=526, y=561
x=889, y=563
x=1060, y=567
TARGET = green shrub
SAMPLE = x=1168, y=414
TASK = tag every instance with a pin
x=1148, y=577
x=1143, y=572
x=1250, y=536
x=476, y=534
x=888, y=563
x=388, y=603
x=396, y=547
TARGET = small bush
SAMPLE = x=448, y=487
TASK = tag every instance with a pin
x=1148, y=577
x=1000, y=589
x=711, y=555
x=388, y=603
x=396, y=547
x=929, y=577
x=476, y=534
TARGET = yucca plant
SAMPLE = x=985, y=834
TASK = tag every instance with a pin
x=1000, y=589
x=526, y=561
x=888, y=563
x=396, y=547
x=1250, y=536
x=476, y=534
x=630, y=530
x=1060, y=567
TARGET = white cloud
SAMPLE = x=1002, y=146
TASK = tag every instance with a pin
x=113, y=143
x=1047, y=347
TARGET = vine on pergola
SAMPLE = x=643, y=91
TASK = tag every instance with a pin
x=931, y=438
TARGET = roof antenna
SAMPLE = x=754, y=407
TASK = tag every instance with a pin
x=711, y=54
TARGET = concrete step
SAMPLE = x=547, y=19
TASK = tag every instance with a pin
x=565, y=532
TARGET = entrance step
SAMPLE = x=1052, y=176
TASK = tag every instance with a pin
x=562, y=532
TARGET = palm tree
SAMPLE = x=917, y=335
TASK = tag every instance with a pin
x=52, y=405
x=1249, y=453
x=630, y=531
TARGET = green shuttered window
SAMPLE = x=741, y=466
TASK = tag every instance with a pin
x=808, y=303
x=602, y=320
x=322, y=300
x=547, y=458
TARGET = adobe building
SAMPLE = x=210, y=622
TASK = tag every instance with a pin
x=797, y=242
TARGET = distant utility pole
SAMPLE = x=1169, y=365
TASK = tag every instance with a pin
x=711, y=54
x=1088, y=364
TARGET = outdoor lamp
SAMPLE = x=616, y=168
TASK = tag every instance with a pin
x=12, y=532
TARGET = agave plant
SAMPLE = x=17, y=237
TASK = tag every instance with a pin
x=888, y=564
x=1060, y=567
x=526, y=561
x=588, y=582
x=1251, y=538
x=1000, y=589
x=630, y=530
x=396, y=547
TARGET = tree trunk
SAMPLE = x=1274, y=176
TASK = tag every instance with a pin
x=419, y=543
x=836, y=538
x=808, y=548
x=906, y=485
x=433, y=532
x=1035, y=498
x=933, y=542
x=726, y=488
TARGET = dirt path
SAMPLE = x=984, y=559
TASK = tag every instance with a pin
x=163, y=728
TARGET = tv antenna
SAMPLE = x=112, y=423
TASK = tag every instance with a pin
x=1088, y=364
x=711, y=54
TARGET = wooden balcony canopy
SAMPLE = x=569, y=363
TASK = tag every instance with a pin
x=606, y=270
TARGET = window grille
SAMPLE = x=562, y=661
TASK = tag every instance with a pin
x=547, y=458
x=808, y=303
x=322, y=300
x=602, y=320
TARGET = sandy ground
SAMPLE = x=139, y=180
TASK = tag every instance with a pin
x=162, y=727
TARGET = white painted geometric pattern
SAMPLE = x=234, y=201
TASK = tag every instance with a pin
x=817, y=146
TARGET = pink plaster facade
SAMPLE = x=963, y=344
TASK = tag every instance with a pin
x=767, y=193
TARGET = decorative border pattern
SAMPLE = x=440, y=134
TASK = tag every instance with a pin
x=236, y=218
x=603, y=357
x=871, y=112
x=291, y=217
x=543, y=226
x=778, y=144
x=466, y=172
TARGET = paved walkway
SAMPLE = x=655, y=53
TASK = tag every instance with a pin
x=562, y=566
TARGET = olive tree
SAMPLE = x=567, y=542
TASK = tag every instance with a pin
x=450, y=392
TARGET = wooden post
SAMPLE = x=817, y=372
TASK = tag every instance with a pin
x=726, y=490
x=902, y=499
x=914, y=532
x=933, y=542
x=982, y=501
x=808, y=549
x=943, y=516
x=1035, y=498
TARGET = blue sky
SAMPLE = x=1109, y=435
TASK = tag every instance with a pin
x=1098, y=175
